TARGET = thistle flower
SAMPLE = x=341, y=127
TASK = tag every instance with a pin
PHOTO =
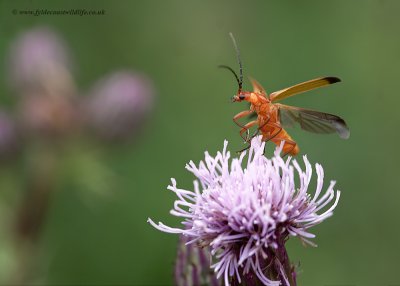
x=119, y=104
x=39, y=62
x=246, y=214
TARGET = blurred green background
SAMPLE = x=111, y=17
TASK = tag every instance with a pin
x=179, y=44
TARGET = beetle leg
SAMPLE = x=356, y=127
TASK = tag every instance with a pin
x=248, y=140
x=248, y=147
x=241, y=115
x=258, y=129
x=276, y=133
x=276, y=125
x=246, y=129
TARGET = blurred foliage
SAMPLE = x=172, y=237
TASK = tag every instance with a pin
x=178, y=44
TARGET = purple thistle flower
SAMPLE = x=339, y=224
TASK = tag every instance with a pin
x=119, y=104
x=246, y=214
x=39, y=62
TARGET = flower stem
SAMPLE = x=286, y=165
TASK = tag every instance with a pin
x=283, y=263
x=32, y=214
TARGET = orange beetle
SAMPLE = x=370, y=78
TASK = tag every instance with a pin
x=273, y=117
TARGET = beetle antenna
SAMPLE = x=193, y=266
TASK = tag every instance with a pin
x=234, y=73
x=240, y=81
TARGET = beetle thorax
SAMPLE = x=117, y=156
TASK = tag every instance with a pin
x=260, y=104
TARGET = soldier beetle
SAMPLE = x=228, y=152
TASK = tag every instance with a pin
x=273, y=118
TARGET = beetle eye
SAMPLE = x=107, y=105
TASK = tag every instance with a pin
x=241, y=97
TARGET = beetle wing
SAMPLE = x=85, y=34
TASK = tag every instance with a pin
x=257, y=87
x=312, y=121
x=302, y=87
